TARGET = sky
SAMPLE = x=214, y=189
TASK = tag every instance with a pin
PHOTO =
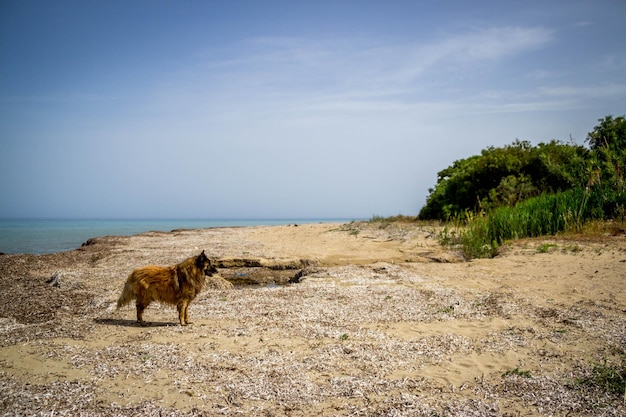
x=285, y=109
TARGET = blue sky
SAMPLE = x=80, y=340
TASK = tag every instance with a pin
x=285, y=109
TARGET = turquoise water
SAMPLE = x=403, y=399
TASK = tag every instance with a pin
x=50, y=236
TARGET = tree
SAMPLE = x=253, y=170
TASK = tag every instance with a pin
x=608, y=145
x=505, y=176
x=611, y=133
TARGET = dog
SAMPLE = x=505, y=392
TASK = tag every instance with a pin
x=178, y=284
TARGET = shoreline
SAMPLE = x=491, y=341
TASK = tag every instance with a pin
x=383, y=321
x=40, y=236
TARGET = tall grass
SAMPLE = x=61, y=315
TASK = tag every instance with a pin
x=546, y=214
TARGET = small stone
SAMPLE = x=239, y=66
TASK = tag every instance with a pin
x=55, y=280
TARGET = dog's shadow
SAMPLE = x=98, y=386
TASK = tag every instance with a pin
x=131, y=323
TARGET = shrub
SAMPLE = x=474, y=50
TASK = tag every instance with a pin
x=547, y=214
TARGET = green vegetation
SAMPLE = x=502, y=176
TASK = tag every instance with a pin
x=505, y=176
x=606, y=378
x=351, y=228
x=546, y=248
x=523, y=191
x=518, y=372
x=384, y=222
x=446, y=310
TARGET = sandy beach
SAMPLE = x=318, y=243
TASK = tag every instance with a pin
x=382, y=321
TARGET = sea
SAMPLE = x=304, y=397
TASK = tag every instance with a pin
x=51, y=236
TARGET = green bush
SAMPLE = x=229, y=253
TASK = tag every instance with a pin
x=523, y=191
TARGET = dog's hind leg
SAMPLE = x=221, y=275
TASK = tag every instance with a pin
x=140, y=308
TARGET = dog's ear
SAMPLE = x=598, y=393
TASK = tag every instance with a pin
x=200, y=259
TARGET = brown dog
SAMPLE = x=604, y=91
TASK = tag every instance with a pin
x=178, y=284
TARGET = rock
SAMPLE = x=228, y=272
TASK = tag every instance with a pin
x=55, y=280
x=301, y=274
x=218, y=283
x=256, y=262
x=297, y=278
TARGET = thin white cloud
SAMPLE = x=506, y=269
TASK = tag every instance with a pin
x=541, y=74
x=541, y=98
x=59, y=98
x=336, y=64
x=522, y=106
x=585, y=92
x=295, y=82
x=613, y=62
x=491, y=44
x=311, y=79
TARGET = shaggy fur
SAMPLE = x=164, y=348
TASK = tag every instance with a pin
x=178, y=284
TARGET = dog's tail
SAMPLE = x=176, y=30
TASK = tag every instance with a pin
x=127, y=295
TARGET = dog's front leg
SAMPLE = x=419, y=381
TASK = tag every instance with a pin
x=187, y=314
x=182, y=312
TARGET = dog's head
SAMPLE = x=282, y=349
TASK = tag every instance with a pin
x=204, y=264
